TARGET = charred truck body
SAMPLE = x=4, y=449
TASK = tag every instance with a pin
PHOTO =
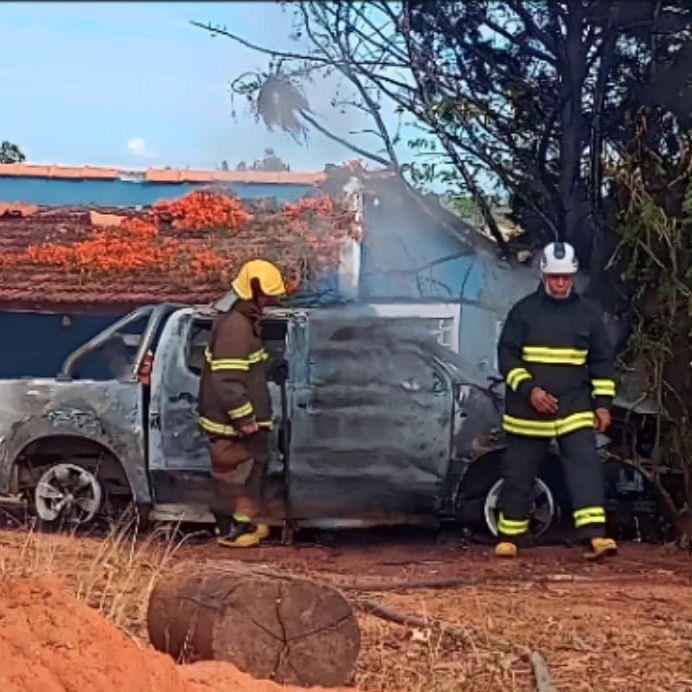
x=375, y=423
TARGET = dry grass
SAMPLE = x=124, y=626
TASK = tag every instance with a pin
x=593, y=638
x=113, y=574
x=398, y=658
x=632, y=631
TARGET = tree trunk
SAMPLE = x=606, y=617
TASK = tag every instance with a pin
x=575, y=224
x=270, y=625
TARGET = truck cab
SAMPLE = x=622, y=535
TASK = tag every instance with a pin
x=377, y=421
x=364, y=418
x=367, y=417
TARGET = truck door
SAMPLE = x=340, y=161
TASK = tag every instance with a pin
x=179, y=461
x=98, y=394
x=371, y=421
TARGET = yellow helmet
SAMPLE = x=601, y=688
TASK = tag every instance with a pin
x=270, y=280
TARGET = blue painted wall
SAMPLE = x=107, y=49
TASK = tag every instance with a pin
x=121, y=193
x=36, y=345
x=407, y=256
x=410, y=255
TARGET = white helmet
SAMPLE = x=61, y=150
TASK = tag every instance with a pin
x=559, y=258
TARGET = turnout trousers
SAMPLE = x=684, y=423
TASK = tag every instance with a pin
x=583, y=474
x=238, y=466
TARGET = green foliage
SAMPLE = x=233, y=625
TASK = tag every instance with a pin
x=654, y=258
x=465, y=207
x=687, y=210
x=11, y=153
x=524, y=98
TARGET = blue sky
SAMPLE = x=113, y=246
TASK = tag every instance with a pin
x=134, y=84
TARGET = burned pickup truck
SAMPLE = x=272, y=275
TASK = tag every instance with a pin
x=375, y=423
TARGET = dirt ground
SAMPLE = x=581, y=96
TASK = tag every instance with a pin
x=51, y=642
x=621, y=625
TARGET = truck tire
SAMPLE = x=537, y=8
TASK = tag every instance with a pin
x=68, y=494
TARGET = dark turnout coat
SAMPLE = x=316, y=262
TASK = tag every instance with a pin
x=233, y=388
x=563, y=347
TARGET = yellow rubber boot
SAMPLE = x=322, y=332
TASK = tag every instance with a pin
x=600, y=548
x=262, y=531
x=246, y=540
x=244, y=534
x=505, y=549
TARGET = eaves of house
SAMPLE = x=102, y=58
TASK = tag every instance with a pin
x=93, y=185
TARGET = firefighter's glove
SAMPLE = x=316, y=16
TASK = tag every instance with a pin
x=602, y=419
x=542, y=401
x=280, y=372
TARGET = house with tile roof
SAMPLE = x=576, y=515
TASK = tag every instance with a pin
x=388, y=246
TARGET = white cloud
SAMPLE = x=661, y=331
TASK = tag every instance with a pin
x=139, y=147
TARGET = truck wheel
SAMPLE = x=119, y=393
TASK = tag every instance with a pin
x=69, y=493
x=542, y=511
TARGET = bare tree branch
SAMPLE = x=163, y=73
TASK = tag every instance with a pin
x=346, y=70
x=520, y=91
x=349, y=145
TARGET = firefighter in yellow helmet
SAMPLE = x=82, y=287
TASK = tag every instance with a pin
x=235, y=407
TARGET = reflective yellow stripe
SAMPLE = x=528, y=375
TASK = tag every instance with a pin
x=258, y=356
x=603, y=387
x=241, y=411
x=555, y=352
x=226, y=363
x=541, y=428
x=589, y=515
x=229, y=364
x=554, y=356
x=577, y=425
x=578, y=523
x=519, y=379
x=549, y=424
x=235, y=363
x=604, y=392
x=528, y=423
x=530, y=433
x=227, y=430
x=516, y=523
x=511, y=527
x=576, y=421
x=516, y=376
x=587, y=511
x=216, y=428
x=523, y=426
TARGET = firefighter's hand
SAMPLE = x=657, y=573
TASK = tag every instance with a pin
x=542, y=401
x=602, y=419
x=248, y=429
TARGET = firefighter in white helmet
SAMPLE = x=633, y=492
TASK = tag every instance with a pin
x=235, y=406
x=557, y=361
